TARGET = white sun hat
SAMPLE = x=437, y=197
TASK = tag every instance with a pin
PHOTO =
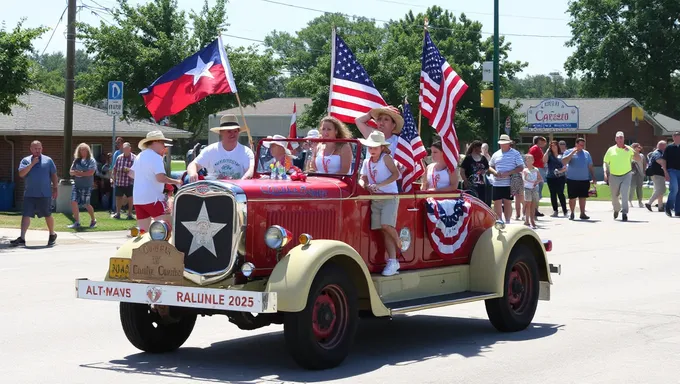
x=375, y=139
x=275, y=141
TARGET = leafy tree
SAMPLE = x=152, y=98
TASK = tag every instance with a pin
x=628, y=48
x=15, y=48
x=391, y=54
x=49, y=71
x=147, y=40
x=542, y=87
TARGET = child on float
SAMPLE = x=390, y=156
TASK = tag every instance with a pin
x=438, y=176
x=531, y=178
x=281, y=155
x=379, y=176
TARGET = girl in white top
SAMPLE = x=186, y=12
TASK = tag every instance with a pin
x=379, y=175
x=438, y=176
x=332, y=158
x=531, y=178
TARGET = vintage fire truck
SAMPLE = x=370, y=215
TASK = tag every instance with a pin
x=301, y=253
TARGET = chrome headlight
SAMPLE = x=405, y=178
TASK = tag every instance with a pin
x=159, y=230
x=277, y=237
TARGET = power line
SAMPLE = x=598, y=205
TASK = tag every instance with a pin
x=54, y=30
x=475, y=13
x=415, y=26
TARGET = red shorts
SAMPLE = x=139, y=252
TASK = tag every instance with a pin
x=150, y=210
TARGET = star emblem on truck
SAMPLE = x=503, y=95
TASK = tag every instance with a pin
x=203, y=232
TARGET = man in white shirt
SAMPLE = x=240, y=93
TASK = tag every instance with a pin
x=148, y=171
x=226, y=159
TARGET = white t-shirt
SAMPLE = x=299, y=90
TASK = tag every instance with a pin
x=225, y=164
x=146, y=189
x=377, y=173
x=530, y=177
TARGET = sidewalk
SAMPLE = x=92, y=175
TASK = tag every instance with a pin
x=39, y=237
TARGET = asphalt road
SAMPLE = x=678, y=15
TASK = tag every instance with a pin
x=614, y=318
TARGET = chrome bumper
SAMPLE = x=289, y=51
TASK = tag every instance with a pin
x=177, y=296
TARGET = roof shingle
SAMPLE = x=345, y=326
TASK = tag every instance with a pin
x=280, y=106
x=45, y=116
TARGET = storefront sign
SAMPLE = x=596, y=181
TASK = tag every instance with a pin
x=552, y=114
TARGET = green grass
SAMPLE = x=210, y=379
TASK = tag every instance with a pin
x=603, y=193
x=62, y=221
x=178, y=165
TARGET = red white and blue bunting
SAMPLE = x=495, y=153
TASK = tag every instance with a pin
x=447, y=224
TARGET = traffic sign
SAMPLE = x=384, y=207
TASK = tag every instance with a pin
x=115, y=98
x=507, y=125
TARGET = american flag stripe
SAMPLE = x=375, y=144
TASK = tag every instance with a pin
x=410, y=151
x=352, y=92
x=440, y=90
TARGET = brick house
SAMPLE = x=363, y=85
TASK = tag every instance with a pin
x=44, y=120
x=598, y=122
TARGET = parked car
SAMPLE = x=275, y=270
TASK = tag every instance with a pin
x=301, y=253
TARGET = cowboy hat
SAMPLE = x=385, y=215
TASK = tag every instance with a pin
x=391, y=112
x=313, y=134
x=152, y=136
x=375, y=139
x=505, y=139
x=228, y=122
x=283, y=144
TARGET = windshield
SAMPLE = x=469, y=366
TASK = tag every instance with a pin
x=275, y=156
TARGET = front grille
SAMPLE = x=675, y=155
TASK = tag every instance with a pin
x=191, y=228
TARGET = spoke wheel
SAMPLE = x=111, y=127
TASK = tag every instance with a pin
x=515, y=310
x=320, y=336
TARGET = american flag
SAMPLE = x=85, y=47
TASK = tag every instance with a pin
x=352, y=92
x=440, y=89
x=410, y=150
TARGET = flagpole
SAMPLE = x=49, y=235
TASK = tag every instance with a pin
x=420, y=112
x=330, y=88
x=243, y=116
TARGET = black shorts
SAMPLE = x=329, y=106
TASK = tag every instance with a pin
x=41, y=206
x=577, y=189
x=124, y=191
x=501, y=193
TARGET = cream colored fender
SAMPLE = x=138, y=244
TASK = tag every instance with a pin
x=490, y=257
x=293, y=275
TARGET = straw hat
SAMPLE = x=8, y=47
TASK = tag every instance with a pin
x=375, y=139
x=283, y=144
x=313, y=134
x=393, y=113
x=505, y=139
x=152, y=136
x=228, y=122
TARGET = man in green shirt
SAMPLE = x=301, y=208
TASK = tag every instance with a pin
x=618, y=173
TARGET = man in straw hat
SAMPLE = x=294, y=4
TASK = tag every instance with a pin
x=226, y=159
x=504, y=163
x=148, y=171
x=389, y=121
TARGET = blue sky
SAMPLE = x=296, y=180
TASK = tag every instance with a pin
x=254, y=19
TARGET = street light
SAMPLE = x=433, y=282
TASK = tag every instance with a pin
x=496, y=80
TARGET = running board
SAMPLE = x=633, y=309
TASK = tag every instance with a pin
x=412, y=305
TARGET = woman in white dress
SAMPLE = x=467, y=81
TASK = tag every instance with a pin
x=332, y=158
x=438, y=176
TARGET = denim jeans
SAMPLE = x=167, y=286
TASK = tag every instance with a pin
x=673, y=197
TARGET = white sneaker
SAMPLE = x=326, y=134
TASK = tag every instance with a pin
x=391, y=268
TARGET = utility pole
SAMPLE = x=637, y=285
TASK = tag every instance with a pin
x=496, y=80
x=70, y=87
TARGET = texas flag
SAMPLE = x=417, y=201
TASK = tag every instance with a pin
x=206, y=72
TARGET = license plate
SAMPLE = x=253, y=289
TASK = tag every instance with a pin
x=119, y=268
